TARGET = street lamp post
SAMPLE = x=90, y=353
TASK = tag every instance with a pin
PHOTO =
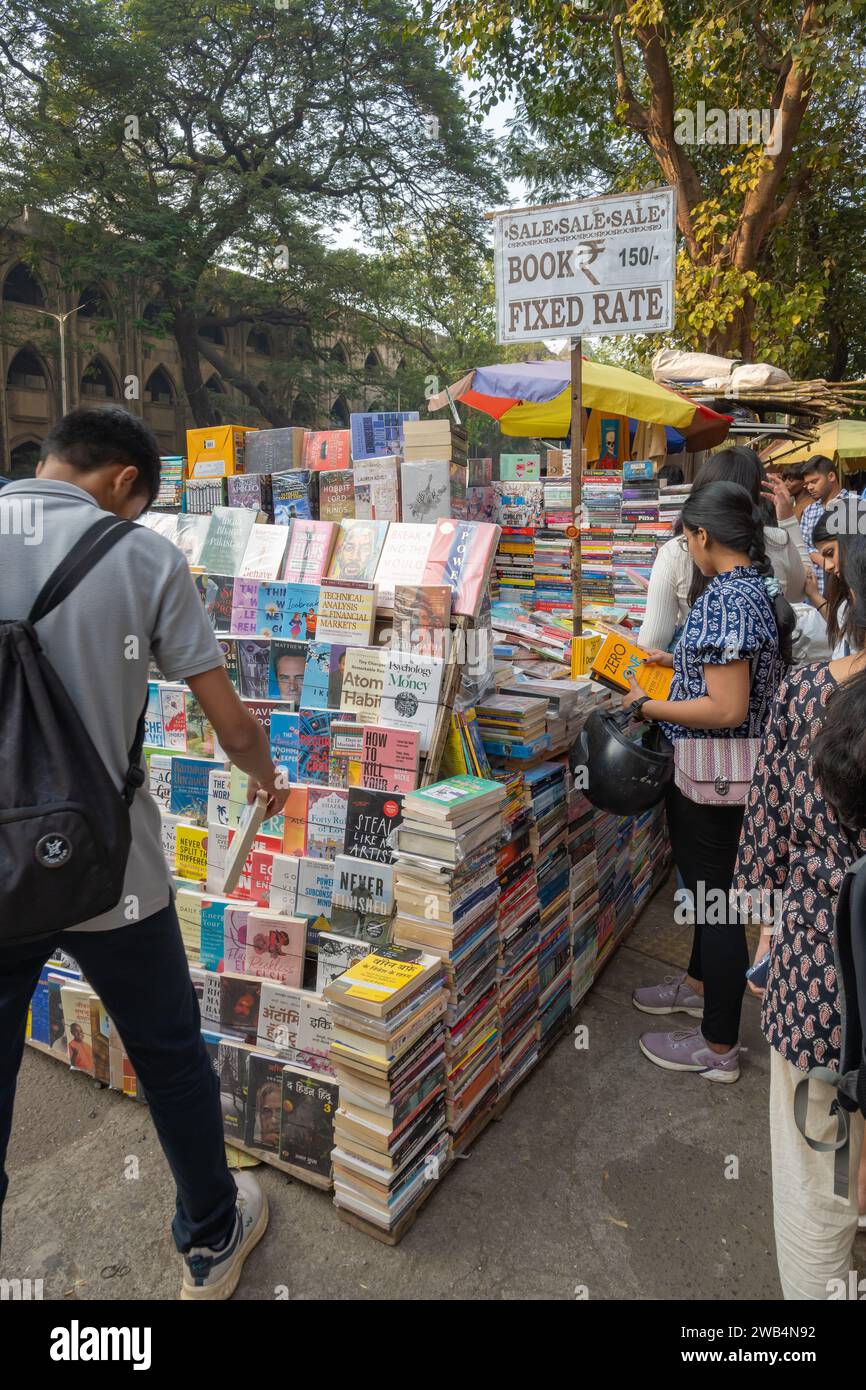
x=60, y=320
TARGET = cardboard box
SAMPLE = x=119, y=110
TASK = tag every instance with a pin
x=217, y=452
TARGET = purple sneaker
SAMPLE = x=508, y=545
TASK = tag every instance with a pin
x=672, y=996
x=687, y=1050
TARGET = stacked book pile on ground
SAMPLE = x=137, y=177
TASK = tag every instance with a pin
x=518, y=922
x=546, y=783
x=446, y=892
x=388, y=1055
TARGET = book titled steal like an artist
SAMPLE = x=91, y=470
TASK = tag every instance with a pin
x=372, y=819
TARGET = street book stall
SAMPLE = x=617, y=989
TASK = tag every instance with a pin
x=380, y=965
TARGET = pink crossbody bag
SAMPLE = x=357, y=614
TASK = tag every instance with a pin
x=715, y=771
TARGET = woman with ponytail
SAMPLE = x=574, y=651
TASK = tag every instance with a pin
x=728, y=665
x=675, y=582
x=805, y=823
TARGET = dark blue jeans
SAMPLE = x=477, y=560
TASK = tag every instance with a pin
x=140, y=973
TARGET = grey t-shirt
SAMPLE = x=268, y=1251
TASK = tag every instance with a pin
x=139, y=599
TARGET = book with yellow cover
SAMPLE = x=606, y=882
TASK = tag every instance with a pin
x=190, y=851
x=618, y=658
x=383, y=980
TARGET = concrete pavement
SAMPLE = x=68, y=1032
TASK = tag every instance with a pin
x=605, y=1174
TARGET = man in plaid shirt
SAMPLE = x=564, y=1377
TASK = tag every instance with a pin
x=822, y=484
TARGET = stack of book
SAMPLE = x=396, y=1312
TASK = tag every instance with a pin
x=170, y=494
x=546, y=784
x=633, y=556
x=446, y=889
x=671, y=501
x=602, y=500
x=435, y=439
x=553, y=596
x=513, y=726
x=640, y=495
x=557, y=503
x=388, y=1055
x=518, y=927
x=513, y=569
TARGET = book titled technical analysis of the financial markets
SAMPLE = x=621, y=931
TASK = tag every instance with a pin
x=619, y=658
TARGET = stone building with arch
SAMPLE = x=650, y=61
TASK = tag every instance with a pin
x=117, y=352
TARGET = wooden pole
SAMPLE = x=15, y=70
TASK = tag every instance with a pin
x=576, y=483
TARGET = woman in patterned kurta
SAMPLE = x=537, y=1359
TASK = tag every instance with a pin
x=794, y=851
x=727, y=668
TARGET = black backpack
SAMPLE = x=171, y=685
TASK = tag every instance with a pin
x=849, y=946
x=65, y=831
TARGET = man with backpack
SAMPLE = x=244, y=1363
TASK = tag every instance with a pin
x=86, y=598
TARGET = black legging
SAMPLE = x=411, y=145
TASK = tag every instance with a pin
x=704, y=841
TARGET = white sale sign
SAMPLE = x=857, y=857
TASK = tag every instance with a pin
x=601, y=265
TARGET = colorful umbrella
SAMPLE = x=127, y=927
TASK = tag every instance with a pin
x=533, y=399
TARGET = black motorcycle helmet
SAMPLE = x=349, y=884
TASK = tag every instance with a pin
x=623, y=776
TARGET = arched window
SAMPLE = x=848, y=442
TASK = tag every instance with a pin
x=24, y=458
x=258, y=341
x=97, y=382
x=303, y=411
x=26, y=370
x=159, y=389
x=153, y=312
x=212, y=334
x=302, y=344
x=340, y=414
x=93, y=304
x=21, y=287
x=214, y=384
x=372, y=362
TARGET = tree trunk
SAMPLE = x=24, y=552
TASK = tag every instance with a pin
x=273, y=412
x=185, y=330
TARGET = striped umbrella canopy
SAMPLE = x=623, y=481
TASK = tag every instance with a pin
x=534, y=399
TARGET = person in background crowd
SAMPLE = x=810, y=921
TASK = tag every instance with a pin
x=674, y=581
x=805, y=822
x=834, y=604
x=823, y=486
x=671, y=475
x=728, y=665
x=792, y=477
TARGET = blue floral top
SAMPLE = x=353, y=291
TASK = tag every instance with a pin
x=733, y=620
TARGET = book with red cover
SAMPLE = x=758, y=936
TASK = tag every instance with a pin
x=327, y=449
x=462, y=556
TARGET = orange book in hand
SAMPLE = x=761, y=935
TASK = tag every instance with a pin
x=618, y=659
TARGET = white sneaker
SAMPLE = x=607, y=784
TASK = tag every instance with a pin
x=214, y=1274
